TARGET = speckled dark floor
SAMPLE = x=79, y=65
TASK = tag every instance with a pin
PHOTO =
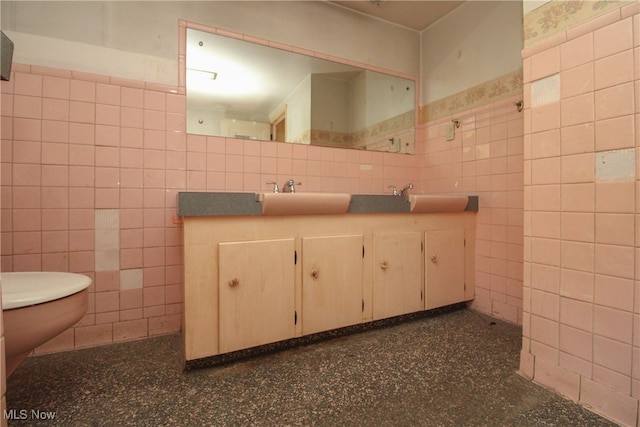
x=454, y=369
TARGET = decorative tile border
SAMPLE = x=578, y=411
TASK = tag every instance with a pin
x=493, y=90
x=560, y=15
x=385, y=128
x=362, y=138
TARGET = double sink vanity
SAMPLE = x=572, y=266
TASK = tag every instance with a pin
x=267, y=268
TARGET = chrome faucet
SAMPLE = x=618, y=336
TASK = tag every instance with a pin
x=275, y=186
x=395, y=189
x=406, y=188
x=289, y=186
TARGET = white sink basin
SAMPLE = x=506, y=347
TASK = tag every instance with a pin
x=304, y=203
x=425, y=203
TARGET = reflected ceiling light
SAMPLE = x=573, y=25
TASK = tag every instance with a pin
x=193, y=73
x=232, y=76
x=231, y=80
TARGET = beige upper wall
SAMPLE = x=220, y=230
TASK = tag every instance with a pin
x=139, y=40
x=476, y=43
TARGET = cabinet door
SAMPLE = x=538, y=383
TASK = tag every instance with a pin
x=331, y=282
x=256, y=300
x=397, y=285
x=444, y=267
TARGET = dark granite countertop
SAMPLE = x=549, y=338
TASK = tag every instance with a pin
x=202, y=203
x=212, y=204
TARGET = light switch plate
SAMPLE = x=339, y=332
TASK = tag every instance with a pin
x=450, y=132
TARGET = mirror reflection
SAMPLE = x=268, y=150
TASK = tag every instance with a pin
x=245, y=90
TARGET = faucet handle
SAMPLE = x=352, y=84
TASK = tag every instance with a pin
x=289, y=186
x=406, y=188
x=275, y=186
x=395, y=189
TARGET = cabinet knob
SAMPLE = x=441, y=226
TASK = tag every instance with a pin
x=434, y=258
x=234, y=282
x=383, y=265
x=315, y=273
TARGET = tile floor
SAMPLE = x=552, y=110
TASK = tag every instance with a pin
x=456, y=368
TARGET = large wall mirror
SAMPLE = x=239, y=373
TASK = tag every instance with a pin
x=240, y=89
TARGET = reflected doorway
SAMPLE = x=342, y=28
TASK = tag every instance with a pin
x=279, y=126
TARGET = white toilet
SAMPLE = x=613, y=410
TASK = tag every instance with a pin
x=36, y=307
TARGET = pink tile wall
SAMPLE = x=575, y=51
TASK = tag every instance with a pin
x=582, y=244
x=485, y=159
x=75, y=144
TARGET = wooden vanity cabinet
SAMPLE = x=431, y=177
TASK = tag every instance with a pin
x=444, y=264
x=332, y=271
x=397, y=284
x=254, y=280
x=256, y=303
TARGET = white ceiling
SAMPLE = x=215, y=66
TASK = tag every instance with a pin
x=414, y=14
